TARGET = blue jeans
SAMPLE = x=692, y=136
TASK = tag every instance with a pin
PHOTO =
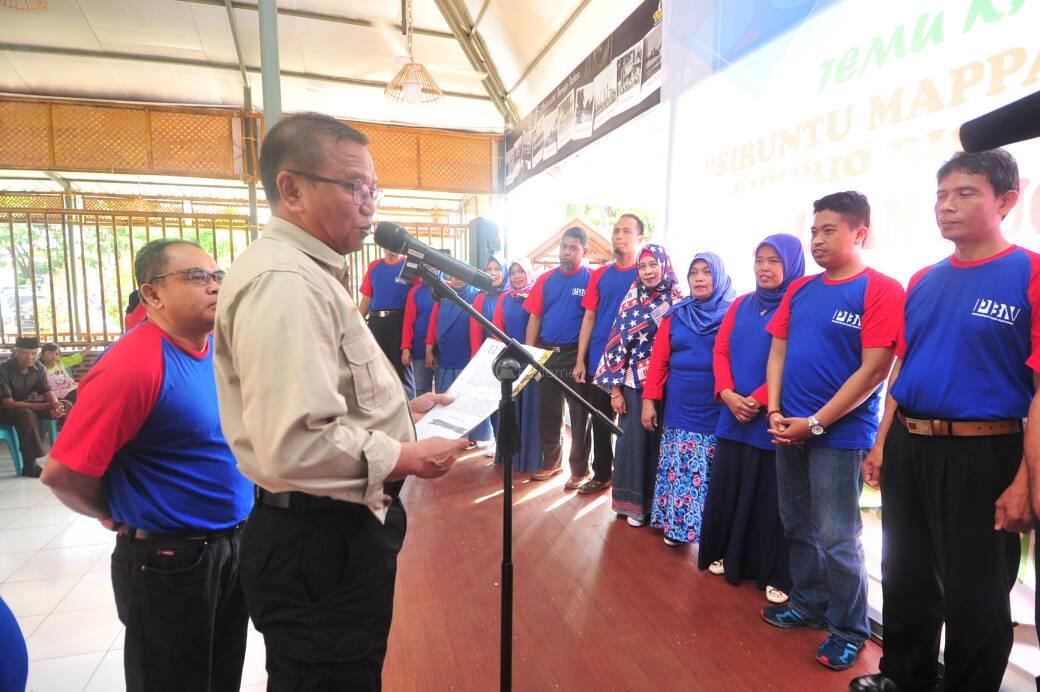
x=445, y=377
x=423, y=376
x=818, y=493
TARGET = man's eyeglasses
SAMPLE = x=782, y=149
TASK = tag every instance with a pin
x=196, y=275
x=360, y=190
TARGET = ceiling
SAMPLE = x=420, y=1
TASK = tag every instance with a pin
x=335, y=55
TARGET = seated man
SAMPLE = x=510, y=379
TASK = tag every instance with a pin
x=21, y=376
x=59, y=377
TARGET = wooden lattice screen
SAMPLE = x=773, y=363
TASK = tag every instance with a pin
x=212, y=143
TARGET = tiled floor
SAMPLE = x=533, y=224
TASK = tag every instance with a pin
x=54, y=575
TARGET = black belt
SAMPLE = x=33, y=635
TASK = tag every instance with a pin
x=302, y=502
x=385, y=313
x=559, y=348
x=142, y=535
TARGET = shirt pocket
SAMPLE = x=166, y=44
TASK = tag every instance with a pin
x=371, y=378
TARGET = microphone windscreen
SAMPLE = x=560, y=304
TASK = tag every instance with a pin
x=1015, y=122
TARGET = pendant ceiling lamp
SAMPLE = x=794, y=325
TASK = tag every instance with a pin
x=413, y=83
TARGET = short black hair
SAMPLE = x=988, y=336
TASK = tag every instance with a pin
x=151, y=259
x=639, y=221
x=577, y=233
x=49, y=346
x=300, y=141
x=996, y=165
x=853, y=207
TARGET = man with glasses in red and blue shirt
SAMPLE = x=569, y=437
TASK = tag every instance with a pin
x=555, y=324
x=949, y=455
x=833, y=340
x=143, y=452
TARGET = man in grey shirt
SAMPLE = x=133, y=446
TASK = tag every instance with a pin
x=329, y=446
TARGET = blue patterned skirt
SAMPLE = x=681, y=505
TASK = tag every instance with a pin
x=682, y=483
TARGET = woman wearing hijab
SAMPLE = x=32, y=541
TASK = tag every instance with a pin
x=485, y=304
x=742, y=535
x=448, y=348
x=623, y=370
x=511, y=318
x=681, y=375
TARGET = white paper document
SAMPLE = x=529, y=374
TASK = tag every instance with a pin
x=477, y=394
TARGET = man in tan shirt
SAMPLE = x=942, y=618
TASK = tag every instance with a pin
x=317, y=418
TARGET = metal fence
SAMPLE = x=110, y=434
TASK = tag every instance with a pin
x=65, y=275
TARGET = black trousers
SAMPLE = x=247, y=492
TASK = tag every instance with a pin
x=602, y=439
x=387, y=331
x=320, y=588
x=26, y=424
x=943, y=562
x=550, y=415
x=185, y=616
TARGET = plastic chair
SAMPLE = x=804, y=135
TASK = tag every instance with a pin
x=48, y=428
x=9, y=435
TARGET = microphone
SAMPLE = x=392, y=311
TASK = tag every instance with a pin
x=394, y=238
x=1015, y=122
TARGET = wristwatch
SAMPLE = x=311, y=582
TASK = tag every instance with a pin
x=815, y=427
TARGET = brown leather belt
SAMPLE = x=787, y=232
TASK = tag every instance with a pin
x=142, y=535
x=931, y=427
x=386, y=313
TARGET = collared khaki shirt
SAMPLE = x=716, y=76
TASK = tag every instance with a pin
x=308, y=401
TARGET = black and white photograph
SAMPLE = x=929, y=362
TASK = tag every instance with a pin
x=549, y=145
x=537, y=141
x=565, y=120
x=584, y=98
x=526, y=148
x=513, y=160
x=606, y=95
x=652, y=60
x=629, y=74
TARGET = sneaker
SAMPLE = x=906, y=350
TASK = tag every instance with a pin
x=592, y=487
x=838, y=653
x=490, y=450
x=717, y=567
x=575, y=482
x=483, y=444
x=775, y=595
x=669, y=542
x=632, y=521
x=786, y=617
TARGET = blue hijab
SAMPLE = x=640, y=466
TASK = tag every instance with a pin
x=705, y=316
x=790, y=250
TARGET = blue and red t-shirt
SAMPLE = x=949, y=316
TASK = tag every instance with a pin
x=449, y=332
x=380, y=284
x=607, y=288
x=556, y=298
x=971, y=339
x=147, y=422
x=417, y=310
x=681, y=373
x=511, y=317
x=741, y=353
x=486, y=305
x=827, y=325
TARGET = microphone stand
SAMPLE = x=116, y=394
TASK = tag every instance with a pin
x=507, y=368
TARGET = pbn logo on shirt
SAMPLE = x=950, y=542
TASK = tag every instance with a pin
x=847, y=318
x=998, y=312
x=580, y=292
